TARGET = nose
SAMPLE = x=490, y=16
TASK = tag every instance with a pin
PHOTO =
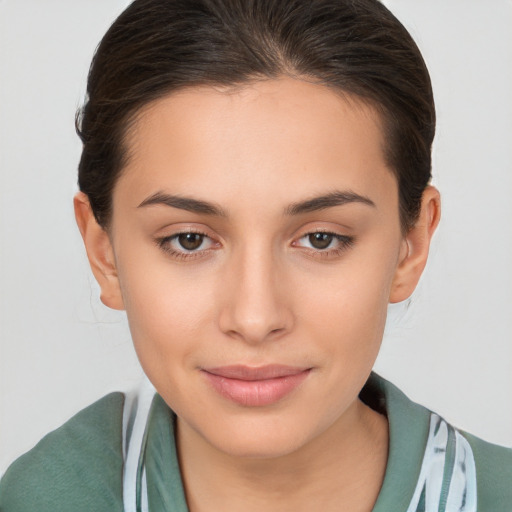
x=255, y=306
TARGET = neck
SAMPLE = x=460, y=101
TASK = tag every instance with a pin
x=342, y=469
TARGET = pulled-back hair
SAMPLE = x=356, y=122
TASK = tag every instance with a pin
x=356, y=47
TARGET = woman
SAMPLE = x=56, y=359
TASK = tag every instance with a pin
x=254, y=192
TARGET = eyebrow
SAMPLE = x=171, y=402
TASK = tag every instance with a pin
x=184, y=203
x=335, y=198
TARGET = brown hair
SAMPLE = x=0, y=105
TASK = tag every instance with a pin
x=159, y=46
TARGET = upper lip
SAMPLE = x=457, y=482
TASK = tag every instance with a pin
x=242, y=372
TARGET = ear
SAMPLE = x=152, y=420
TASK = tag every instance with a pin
x=99, y=251
x=415, y=247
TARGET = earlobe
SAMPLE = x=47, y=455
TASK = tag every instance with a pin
x=415, y=247
x=99, y=252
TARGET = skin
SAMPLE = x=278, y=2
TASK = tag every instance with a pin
x=258, y=291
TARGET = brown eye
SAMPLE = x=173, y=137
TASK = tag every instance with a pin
x=187, y=245
x=190, y=241
x=323, y=244
x=320, y=240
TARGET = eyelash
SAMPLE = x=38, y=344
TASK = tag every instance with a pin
x=345, y=241
x=164, y=244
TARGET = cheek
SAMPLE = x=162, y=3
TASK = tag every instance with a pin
x=349, y=305
x=167, y=308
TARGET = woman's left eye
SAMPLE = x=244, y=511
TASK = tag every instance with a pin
x=326, y=242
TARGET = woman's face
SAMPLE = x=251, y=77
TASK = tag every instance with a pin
x=256, y=239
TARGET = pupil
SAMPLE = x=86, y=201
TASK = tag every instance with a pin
x=320, y=240
x=190, y=241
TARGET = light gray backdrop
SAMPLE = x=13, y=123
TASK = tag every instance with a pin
x=60, y=349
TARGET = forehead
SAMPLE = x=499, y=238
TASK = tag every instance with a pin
x=286, y=133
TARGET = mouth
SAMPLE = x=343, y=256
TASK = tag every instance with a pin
x=255, y=386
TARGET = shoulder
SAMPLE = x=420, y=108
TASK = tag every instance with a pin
x=493, y=466
x=433, y=463
x=80, y=465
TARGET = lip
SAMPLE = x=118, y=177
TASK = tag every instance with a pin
x=255, y=386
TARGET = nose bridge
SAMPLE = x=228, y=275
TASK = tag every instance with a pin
x=254, y=307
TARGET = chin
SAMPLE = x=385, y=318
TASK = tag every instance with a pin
x=259, y=438
x=260, y=447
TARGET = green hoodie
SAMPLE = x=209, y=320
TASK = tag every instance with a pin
x=123, y=448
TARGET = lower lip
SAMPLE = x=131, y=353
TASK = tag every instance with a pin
x=256, y=393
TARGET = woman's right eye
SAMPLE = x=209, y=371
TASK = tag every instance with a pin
x=190, y=241
x=186, y=245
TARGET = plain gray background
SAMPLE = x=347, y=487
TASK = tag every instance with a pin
x=449, y=348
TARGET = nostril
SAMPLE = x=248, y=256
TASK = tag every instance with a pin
x=252, y=306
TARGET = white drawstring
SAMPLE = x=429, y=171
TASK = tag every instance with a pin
x=136, y=410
